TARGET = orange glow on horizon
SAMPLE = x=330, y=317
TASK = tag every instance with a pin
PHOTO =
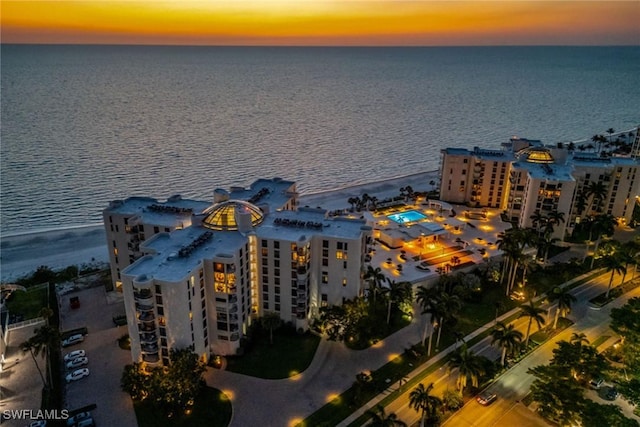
x=320, y=22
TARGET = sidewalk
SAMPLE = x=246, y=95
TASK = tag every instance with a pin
x=373, y=402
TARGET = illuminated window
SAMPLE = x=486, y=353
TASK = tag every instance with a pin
x=344, y=281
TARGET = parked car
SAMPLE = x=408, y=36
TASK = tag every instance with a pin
x=486, y=398
x=77, y=362
x=611, y=394
x=73, y=339
x=74, y=355
x=87, y=422
x=77, y=374
x=596, y=383
x=77, y=418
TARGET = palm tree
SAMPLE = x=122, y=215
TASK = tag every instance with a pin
x=595, y=191
x=448, y=306
x=629, y=252
x=427, y=298
x=375, y=276
x=538, y=220
x=546, y=243
x=380, y=419
x=397, y=293
x=420, y=399
x=578, y=338
x=605, y=225
x=469, y=366
x=534, y=314
x=271, y=321
x=610, y=131
x=614, y=264
x=507, y=337
x=565, y=299
x=44, y=338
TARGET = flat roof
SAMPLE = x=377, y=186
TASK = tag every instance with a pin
x=271, y=192
x=166, y=263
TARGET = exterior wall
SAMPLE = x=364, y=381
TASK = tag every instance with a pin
x=125, y=233
x=454, y=183
x=516, y=201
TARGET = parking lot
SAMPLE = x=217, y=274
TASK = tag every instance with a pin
x=106, y=358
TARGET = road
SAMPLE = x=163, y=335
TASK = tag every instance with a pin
x=512, y=386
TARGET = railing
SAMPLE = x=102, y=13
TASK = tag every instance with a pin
x=26, y=323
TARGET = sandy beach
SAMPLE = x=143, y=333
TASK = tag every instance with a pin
x=22, y=254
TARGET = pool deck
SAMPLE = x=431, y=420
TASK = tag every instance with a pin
x=459, y=249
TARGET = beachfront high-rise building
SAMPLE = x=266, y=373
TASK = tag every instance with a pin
x=526, y=179
x=196, y=273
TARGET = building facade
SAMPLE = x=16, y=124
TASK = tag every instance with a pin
x=526, y=179
x=196, y=273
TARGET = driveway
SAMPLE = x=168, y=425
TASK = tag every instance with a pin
x=106, y=358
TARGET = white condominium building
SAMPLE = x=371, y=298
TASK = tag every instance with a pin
x=526, y=178
x=196, y=273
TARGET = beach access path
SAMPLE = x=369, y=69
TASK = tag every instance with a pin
x=56, y=249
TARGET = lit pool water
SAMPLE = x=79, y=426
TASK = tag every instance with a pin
x=407, y=217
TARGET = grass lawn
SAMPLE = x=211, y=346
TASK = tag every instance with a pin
x=290, y=354
x=547, y=332
x=212, y=408
x=27, y=304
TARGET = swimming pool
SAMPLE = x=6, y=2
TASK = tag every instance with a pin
x=407, y=217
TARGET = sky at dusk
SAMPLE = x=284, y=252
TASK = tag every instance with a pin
x=322, y=22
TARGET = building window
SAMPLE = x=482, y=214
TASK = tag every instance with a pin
x=324, y=300
x=344, y=281
x=325, y=262
x=325, y=277
x=325, y=243
x=277, y=307
x=264, y=243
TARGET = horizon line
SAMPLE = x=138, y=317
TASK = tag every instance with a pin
x=314, y=45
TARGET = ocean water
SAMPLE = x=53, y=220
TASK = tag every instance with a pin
x=82, y=125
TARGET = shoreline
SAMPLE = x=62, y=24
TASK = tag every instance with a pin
x=23, y=253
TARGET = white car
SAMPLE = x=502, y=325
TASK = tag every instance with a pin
x=77, y=374
x=77, y=362
x=73, y=339
x=74, y=355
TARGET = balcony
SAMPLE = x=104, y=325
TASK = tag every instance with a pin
x=143, y=307
x=149, y=349
x=148, y=338
x=147, y=326
x=142, y=294
x=151, y=358
x=146, y=317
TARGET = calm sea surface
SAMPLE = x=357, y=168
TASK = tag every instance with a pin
x=82, y=125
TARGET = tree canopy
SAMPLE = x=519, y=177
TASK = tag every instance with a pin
x=172, y=388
